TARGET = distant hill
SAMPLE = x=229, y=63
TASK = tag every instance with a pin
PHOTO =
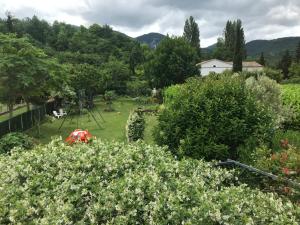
x=151, y=39
x=272, y=49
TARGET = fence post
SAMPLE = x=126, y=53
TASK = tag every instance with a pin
x=9, y=125
x=22, y=122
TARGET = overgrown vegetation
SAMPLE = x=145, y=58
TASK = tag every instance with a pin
x=15, y=140
x=214, y=118
x=135, y=126
x=115, y=183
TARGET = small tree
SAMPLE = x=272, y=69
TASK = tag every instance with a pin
x=261, y=60
x=298, y=53
x=285, y=63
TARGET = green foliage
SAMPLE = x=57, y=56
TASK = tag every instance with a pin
x=285, y=63
x=291, y=98
x=191, y=34
x=26, y=71
x=15, y=140
x=294, y=71
x=261, y=60
x=115, y=75
x=268, y=93
x=108, y=97
x=137, y=88
x=135, y=126
x=273, y=74
x=173, y=61
x=284, y=163
x=239, y=47
x=114, y=183
x=212, y=118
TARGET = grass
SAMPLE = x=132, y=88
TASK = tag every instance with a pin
x=151, y=121
x=112, y=129
x=16, y=112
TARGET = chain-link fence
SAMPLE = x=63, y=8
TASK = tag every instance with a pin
x=26, y=120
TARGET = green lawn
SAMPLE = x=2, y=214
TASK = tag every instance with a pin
x=16, y=112
x=112, y=129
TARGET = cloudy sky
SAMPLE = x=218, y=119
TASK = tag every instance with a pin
x=262, y=19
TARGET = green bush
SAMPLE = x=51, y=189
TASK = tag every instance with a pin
x=268, y=93
x=273, y=74
x=291, y=98
x=212, y=118
x=135, y=126
x=15, y=139
x=138, y=88
x=114, y=183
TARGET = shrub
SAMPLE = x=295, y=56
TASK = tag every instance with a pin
x=273, y=74
x=284, y=163
x=114, y=183
x=211, y=118
x=268, y=93
x=138, y=88
x=12, y=140
x=135, y=126
x=108, y=97
x=291, y=98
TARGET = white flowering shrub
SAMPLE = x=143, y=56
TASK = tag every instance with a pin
x=135, y=126
x=115, y=183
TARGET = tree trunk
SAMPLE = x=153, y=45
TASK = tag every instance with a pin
x=10, y=110
x=27, y=106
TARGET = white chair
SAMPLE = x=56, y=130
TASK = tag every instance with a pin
x=57, y=115
x=62, y=112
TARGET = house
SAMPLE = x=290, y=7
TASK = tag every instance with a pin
x=219, y=66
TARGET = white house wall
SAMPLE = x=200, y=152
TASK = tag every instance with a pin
x=214, y=66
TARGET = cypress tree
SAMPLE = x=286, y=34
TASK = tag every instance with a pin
x=285, y=63
x=229, y=37
x=261, y=60
x=239, y=50
x=298, y=53
x=191, y=34
x=9, y=22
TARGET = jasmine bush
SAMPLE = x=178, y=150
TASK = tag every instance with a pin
x=115, y=183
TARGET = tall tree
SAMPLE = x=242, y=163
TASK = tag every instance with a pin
x=229, y=40
x=136, y=57
x=261, y=60
x=239, y=50
x=285, y=63
x=174, y=60
x=298, y=53
x=9, y=22
x=25, y=71
x=191, y=34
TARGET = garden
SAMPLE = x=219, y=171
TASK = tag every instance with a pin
x=136, y=136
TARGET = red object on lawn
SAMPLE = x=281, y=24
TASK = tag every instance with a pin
x=79, y=135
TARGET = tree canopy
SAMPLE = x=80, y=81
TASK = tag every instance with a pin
x=173, y=61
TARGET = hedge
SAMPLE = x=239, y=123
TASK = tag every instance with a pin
x=116, y=183
x=135, y=126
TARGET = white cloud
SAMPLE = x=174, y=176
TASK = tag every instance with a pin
x=264, y=19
